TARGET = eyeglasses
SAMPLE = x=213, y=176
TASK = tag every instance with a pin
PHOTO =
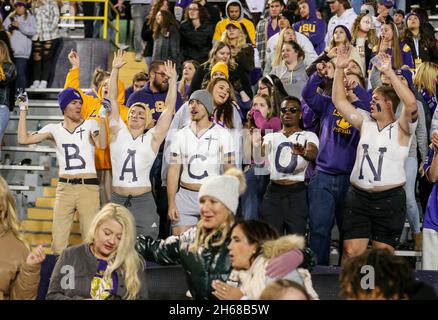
x=193, y=9
x=291, y=109
x=162, y=74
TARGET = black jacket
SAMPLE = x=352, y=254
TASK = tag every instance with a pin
x=201, y=267
x=213, y=12
x=196, y=43
x=428, y=50
x=147, y=36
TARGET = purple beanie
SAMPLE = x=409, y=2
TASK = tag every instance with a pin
x=66, y=96
x=345, y=29
x=407, y=74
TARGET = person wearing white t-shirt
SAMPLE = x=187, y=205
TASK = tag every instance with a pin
x=75, y=140
x=200, y=150
x=375, y=204
x=133, y=150
x=288, y=152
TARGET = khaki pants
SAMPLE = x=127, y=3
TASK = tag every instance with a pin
x=84, y=199
x=105, y=180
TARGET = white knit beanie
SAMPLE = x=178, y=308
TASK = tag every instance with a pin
x=226, y=188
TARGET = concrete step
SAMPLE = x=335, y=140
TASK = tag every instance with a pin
x=36, y=238
x=40, y=213
x=44, y=226
x=49, y=191
x=54, y=182
x=47, y=202
x=34, y=117
x=35, y=148
x=46, y=247
x=26, y=168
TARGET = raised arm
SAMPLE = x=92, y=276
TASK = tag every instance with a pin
x=347, y=110
x=23, y=136
x=118, y=63
x=165, y=119
x=409, y=112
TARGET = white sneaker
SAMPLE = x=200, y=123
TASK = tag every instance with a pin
x=35, y=84
x=138, y=57
x=43, y=84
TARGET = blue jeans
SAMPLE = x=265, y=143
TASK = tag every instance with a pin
x=326, y=203
x=253, y=196
x=139, y=12
x=356, y=4
x=4, y=119
x=21, y=66
x=413, y=214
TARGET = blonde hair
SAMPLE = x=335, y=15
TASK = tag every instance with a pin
x=4, y=53
x=371, y=34
x=426, y=77
x=8, y=212
x=277, y=55
x=203, y=236
x=212, y=56
x=124, y=257
x=333, y=44
x=145, y=107
x=240, y=41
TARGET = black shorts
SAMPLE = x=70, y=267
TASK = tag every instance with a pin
x=376, y=215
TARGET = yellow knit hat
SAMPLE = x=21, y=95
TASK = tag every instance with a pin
x=220, y=67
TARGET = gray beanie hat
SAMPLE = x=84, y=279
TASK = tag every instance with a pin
x=204, y=97
x=226, y=188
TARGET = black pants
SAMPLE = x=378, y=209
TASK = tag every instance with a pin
x=160, y=196
x=285, y=208
x=43, y=53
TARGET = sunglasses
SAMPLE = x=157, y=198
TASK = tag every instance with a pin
x=291, y=109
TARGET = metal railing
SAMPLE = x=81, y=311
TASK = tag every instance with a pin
x=106, y=22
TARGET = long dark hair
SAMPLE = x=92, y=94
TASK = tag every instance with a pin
x=276, y=92
x=226, y=109
x=203, y=13
x=257, y=232
x=154, y=11
x=164, y=26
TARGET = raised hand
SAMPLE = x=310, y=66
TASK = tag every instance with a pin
x=22, y=101
x=170, y=69
x=321, y=68
x=74, y=59
x=385, y=64
x=105, y=108
x=119, y=59
x=343, y=57
x=36, y=257
x=333, y=52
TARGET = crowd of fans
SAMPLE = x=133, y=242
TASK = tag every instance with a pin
x=247, y=139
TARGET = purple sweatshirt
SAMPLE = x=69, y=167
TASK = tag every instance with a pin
x=431, y=214
x=155, y=101
x=338, y=139
x=313, y=27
